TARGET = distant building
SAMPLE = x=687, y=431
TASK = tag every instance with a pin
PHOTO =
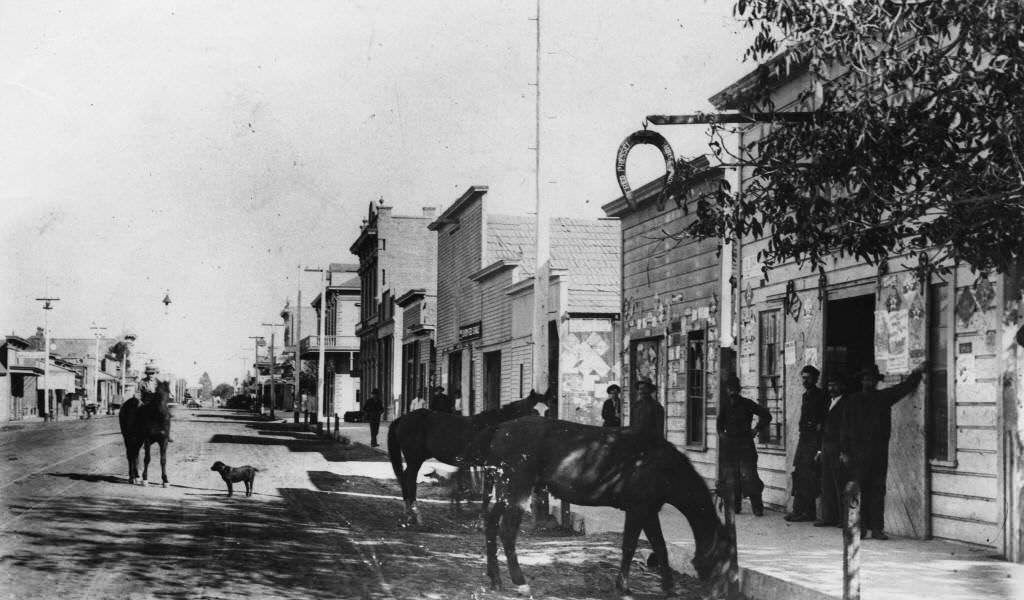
x=341, y=346
x=397, y=253
x=419, y=360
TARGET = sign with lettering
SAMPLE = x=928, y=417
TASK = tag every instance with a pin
x=473, y=331
x=651, y=138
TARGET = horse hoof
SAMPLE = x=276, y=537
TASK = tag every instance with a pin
x=144, y=483
x=523, y=590
x=164, y=484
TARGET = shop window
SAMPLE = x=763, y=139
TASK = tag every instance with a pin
x=771, y=384
x=695, y=388
x=941, y=430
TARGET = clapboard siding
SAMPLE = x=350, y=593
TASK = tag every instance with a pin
x=980, y=486
x=978, y=510
x=965, y=531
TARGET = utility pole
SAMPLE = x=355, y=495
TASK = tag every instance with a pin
x=256, y=359
x=272, y=400
x=297, y=340
x=96, y=379
x=541, y=381
x=324, y=281
x=47, y=306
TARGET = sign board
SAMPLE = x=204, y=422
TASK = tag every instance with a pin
x=33, y=355
x=473, y=331
x=651, y=138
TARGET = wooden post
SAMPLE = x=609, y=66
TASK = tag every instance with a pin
x=851, y=542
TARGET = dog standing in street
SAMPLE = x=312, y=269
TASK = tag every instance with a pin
x=235, y=474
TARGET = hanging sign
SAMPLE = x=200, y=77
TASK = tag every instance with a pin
x=651, y=138
x=470, y=332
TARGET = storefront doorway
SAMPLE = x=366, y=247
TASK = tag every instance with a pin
x=492, y=380
x=849, y=336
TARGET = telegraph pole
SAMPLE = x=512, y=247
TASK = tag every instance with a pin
x=256, y=359
x=297, y=340
x=96, y=379
x=272, y=401
x=320, y=360
x=47, y=306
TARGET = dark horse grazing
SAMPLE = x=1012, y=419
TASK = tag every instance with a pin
x=423, y=434
x=143, y=424
x=596, y=466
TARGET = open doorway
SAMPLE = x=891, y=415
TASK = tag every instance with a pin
x=850, y=335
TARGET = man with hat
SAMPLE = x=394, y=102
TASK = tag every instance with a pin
x=648, y=416
x=441, y=402
x=833, y=474
x=147, y=385
x=805, y=472
x=864, y=442
x=611, y=411
x=737, y=453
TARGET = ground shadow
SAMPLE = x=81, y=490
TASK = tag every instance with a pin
x=332, y=451
x=91, y=477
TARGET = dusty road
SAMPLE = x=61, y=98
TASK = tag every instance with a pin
x=323, y=522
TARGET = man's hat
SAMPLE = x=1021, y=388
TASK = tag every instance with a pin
x=615, y=387
x=731, y=380
x=811, y=370
x=152, y=369
x=645, y=379
x=871, y=371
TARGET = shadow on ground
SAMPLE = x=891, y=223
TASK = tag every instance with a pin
x=332, y=451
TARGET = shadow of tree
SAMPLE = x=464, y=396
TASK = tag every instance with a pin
x=331, y=451
x=186, y=548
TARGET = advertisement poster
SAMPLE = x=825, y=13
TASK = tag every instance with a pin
x=791, y=352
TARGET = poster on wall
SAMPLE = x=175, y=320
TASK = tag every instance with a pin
x=790, y=352
x=898, y=355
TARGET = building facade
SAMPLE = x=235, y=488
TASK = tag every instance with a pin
x=672, y=300
x=396, y=254
x=418, y=353
x=341, y=346
x=485, y=308
x=955, y=457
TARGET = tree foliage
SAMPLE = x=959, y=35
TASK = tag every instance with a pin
x=916, y=144
x=224, y=390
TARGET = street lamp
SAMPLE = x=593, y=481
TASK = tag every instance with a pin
x=47, y=307
x=272, y=365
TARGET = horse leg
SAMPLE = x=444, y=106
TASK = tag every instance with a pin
x=635, y=519
x=485, y=500
x=491, y=536
x=412, y=471
x=145, y=464
x=132, y=450
x=509, y=530
x=163, y=461
x=654, y=535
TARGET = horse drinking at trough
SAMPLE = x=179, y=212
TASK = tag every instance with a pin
x=596, y=466
x=143, y=423
x=423, y=434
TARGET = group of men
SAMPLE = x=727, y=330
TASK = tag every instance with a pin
x=842, y=437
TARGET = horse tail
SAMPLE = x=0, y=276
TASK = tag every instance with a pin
x=394, y=450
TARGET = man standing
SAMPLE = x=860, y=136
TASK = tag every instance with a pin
x=806, y=483
x=864, y=442
x=833, y=474
x=648, y=415
x=737, y=453
x=373, y=409
x=611, y=412
x=441, y=402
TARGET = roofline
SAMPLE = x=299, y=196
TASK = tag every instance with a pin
x=471, y=193
x=770, y=74
x=409, y=296
x=364, y=234
x=493, y=269
x=649, y=191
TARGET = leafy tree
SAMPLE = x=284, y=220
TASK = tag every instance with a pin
x=916, y=141
x=206, y=386
x=224, y=390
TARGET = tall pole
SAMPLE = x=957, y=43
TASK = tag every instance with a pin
x=541, y=381
x=47, y=307
x=96, y=379
x=320, y=404
x=272, y=365
x=256, y=359
x=297, y=340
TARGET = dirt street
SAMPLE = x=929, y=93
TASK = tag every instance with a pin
x=324, y=522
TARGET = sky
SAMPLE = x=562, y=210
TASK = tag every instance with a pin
x=207, y=150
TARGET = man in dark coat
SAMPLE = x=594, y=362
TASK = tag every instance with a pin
x=737, y=454
x=864, y=442
x=611, y=411
x=806, y=483
x=372, y=409
x=648, y=415
x=441, y=402
x=833, y=473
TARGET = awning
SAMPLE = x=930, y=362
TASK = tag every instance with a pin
x=28, y=371
x=107, y=377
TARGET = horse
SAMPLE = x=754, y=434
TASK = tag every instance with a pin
x=423, y=434
x=596, y=466
x=144, y=423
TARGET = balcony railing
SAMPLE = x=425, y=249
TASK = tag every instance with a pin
x=332, y=343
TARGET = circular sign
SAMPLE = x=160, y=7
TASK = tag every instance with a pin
x=651, y=138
